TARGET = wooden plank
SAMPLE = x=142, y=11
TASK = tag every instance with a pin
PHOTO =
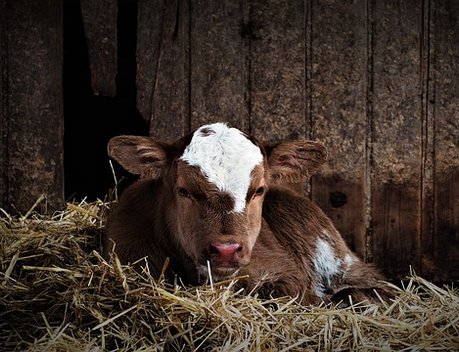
x=445, y=72
x=218, y=75
x=32, y=104
x=396, y=135
x=277, y=75
x=163, y=67
x=427, y=162
x=149, y=31
x=100, y=26
x=338, y=108
x=3, y=106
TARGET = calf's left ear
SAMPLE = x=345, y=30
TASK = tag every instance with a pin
x=295, y=161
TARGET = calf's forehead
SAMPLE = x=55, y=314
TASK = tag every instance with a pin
x=226, y=157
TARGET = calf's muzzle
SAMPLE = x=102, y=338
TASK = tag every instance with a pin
x=224, y=254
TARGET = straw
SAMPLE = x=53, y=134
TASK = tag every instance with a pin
x=57, y=293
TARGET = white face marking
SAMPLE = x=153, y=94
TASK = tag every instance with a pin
x=226, y=157
x=326, y=265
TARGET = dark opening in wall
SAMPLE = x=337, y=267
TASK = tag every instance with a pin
x=90, y=120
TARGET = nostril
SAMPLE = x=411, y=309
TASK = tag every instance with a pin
x=213, y=249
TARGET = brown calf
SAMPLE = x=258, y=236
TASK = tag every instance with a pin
x=214, y=203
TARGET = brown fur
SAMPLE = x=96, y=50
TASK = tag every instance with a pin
x=173, y=212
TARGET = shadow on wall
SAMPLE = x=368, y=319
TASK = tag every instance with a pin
x=90, y=121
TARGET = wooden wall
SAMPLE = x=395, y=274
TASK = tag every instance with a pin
x=377, y=81
x=31, y=104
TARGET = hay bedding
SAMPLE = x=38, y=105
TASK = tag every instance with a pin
x=58, y=294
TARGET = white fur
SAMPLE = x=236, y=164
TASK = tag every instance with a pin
x=348, y=260
x=326, y=265
x=204, y=272
x=226, y=157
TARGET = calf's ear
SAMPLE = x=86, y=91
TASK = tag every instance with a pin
x=295, y=161
x=139, y=155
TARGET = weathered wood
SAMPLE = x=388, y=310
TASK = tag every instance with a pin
x=396, y=136
x=339, y=119
x=100, y=26
x=218, y=75
x=428, y=147
x=32, y=107
x=277, y=77
x=444, y=252
x=149, y=31
x=3, y=106
x=166, y=77
x=352, y=76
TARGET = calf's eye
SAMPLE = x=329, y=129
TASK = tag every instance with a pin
x=259, y=191
x=182, y=192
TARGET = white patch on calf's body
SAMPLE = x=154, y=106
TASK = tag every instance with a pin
x=226, y=157
x=326, y=264
x=348, y=260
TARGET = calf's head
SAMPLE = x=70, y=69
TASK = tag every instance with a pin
x=213, y=183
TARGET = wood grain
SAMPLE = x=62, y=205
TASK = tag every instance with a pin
x=277, y=76
x=445, y=74
x=218, y=75
x=32, y=106
x=165, y=79
x=396, y=136
x=3, y=106
x=100, y=26
x=150, y=23
x=339, y=114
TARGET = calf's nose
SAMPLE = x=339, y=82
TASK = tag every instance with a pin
x=224, y=251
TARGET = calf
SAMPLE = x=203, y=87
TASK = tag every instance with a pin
x=215, y=203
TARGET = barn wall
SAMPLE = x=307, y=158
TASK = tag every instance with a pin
x=31, y=123
x=396, y=133
x=371, y=79
x=376, y=81
x=100, y=26
x=442, y=131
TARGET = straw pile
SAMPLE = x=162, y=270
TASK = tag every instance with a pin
x=58, y=294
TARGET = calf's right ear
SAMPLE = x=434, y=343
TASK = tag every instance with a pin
x=295, y=161
x=139, y=155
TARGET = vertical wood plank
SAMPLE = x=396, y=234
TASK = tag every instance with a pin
x=163, y=66
x=100, y=26
x=444, y=250
x=3, y=106
x=277, y=62
x=338, y=109
x=32, y=107
x=218, y=74
x=150, y=23
x=427, y=171
x=397, y=123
